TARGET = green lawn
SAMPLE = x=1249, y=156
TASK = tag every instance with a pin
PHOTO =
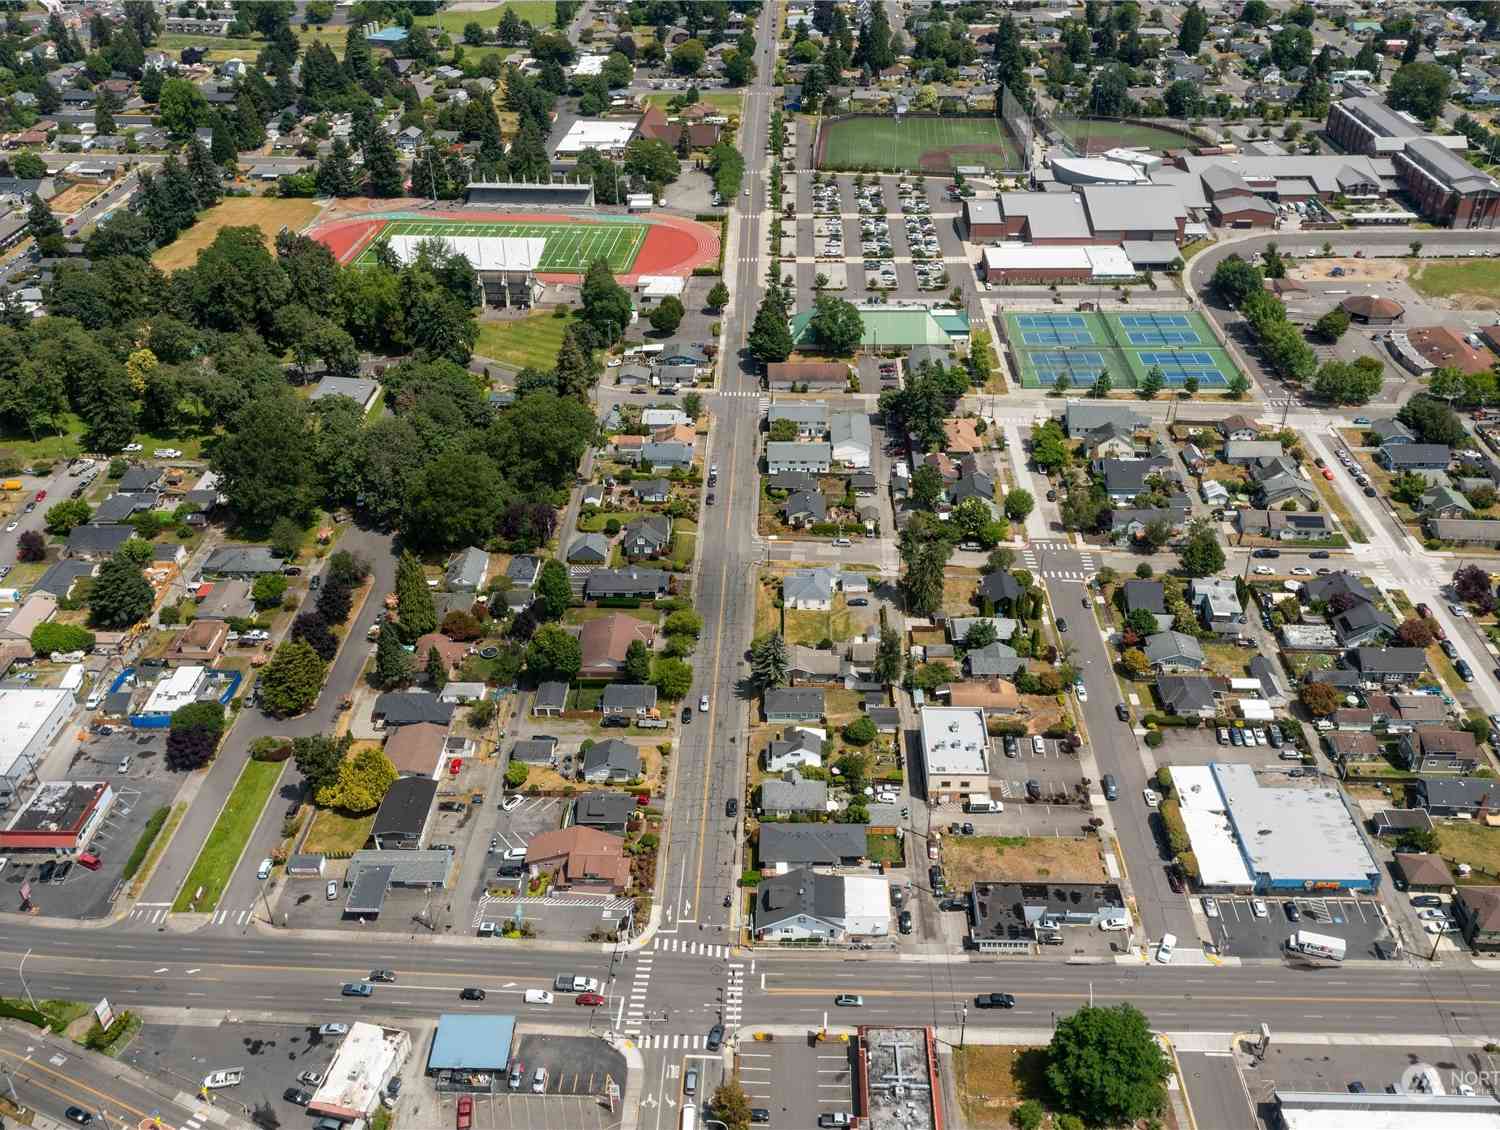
x=334, y=833
x=1445, y=278
x=684, y=544
x=728, y=101
x=227, y=839
x=539, y=13
x=531, y=341
x=68, y=442
x=1462, y=841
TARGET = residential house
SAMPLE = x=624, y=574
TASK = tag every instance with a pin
x=139, y=479
x=1243, y=452
x=202, y=641
x=531, y=751
x=644, y=583
x=804, y=904
x=792, y=704
x=1454, y=796
x=468, y=569
x=993, y=659
x=782, y=846
x=1083, y=416
x=1476, y=910
x=451, y=652
x=1189, y=696
x=815, y=458
x=121, y=507
x=96, y=543
x=1174, y=651
x=651, y=491
x=1001, y=589
x=1130, y=525
x=962, y=435
x=1464, y=531
x=1150, y=596
x=1437, y=749
x=245, y=561
x=810, y=665
x=810, y=418
x=1284, y=486
x=790, y=481
x=1391, y=431
x=1125, y=479
x=1284, y=525
x=611, y=761
x=805, y=376
x=798, y=747
x=407, y=708
x=523, y=570
x=605, y=641
x=401, y=820
x=1196, y=462
x=792, y=793
x=1264, y=671
x=1218, y=604
x=649, y=535
x=551, y=699
x=1342, y=587
x=1238, y=428
x=226, y=600
x=580, y=859
x=1388, y=665
x=975, y=484
x=808, y=589
x=850, y=439
x=959, y=627
x=1443, y=501
x=589, y=549
x=673, y=455
x=632, y=700
x=1361, y=624
x=803, y=508
x=604, y=811
x=417, y=750
x=1414, y=457
x=1111, y=441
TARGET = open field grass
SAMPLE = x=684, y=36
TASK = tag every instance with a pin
x=334, y=833
x=67, y=442
x=1464, y=841
x=571, y=247
x=1020, y=858
x=992, y=1081
x=268, y=213
x=531, y=341
x=725, y=101
x=1095, y=135
x=1448, y=278
x=227, y=839
x=810, y=627
x=539, y=13
x=927, y=143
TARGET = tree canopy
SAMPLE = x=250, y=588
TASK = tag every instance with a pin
x=1105, y=1066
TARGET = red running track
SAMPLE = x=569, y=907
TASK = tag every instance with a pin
x=673, y=246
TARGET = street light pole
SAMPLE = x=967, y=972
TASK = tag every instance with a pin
x=963, y=1026
x=21, y=973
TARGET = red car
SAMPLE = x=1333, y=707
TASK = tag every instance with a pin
x=41, y=494
x=465, y=1111
x=1328, y=473
x=593, y=999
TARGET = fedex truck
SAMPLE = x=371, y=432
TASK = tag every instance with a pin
x=1316, y=945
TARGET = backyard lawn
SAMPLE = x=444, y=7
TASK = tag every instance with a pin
x=729, y=102
x=268, y=213
x=333, y=833
x=1463, y=841
x=530, y=342
x=684, y=544
x=226, y=840
x=540, y=14
x=806, y=626
x=884, y=849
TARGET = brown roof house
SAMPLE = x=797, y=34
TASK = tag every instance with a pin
x=1423, y=871
x=654, y=126
x=200, y=642
x=580, y=859
x=962, y=436
x=37, y=609
x=605, y=640
x=417, y=750
x=452, y=651
x=1477, y=912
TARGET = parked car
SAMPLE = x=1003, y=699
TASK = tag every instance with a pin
x=1292, y=911
x=1210, y=906
x=334, y=1030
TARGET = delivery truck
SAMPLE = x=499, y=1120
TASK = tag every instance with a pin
x=1322, y=946
x=981, y=802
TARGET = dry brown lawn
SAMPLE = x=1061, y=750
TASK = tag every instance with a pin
x=72, y=198
x=1020, y=859
x=992, y=1081
x=268, y=213
x=958, y=593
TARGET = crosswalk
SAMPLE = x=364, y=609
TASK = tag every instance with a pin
x=700, y=949
x=235, y=917
x=741, y=393
x=152, y=913
x=734, y=994
x=1065, y=574
x=635, y=1010
x=685, y=1041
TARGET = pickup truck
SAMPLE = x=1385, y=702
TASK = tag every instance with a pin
x=224, y=1077
x=573, y=983
x=651, y=723
x=465, y=1111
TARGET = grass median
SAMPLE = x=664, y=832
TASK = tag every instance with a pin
x=228, y=837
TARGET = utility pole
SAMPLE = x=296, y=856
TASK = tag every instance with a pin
x=21, y=973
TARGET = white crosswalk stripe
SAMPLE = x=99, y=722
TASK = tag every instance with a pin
x=680, y=1040
x=699, y=949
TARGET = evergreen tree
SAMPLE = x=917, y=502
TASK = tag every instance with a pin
x=1010, y=60
x=875, y=50
x=770, y=665
x=437, y=670
x=335, y=175
x=575, y=371
x=383, y=166
x=414, y=607
x=392, y=666
x=44, y=227
x=249, y=128
x=207, y=180
x=770, y=337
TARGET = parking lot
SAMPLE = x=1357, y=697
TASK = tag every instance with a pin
x=145, y=786
x=271, y=1055
x=1239, y=933
x=525, y=1111
x=1335, y=1067
x=1185, y=746
x=794, y=1082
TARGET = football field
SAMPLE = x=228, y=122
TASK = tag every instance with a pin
x=571, y=245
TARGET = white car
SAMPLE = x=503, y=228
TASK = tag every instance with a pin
x=514, y=855
x=1301, y=571
x=334, y=1030
x=1258, y=908
x=1151, y=797
x=512, y=803
x=1210, y=906
x=168, y=453
x=614, y=363
x=11, y=527
x=1264, y=571
x=1432, y=914
x=1164, y=948
x=703, y=704
x=1083, y=692
x=132, y=447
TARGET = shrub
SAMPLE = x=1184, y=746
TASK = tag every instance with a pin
x=516, y=773
x=861, y=731
x=48, y=638
x=1154, y=739
x=270, y=749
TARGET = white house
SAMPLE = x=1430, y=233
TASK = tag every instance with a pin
x=814, y=458
x=809, y=589
x=849, y=435
x=797, y=748
x=806, y=904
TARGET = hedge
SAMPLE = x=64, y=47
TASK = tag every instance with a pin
x=15, y=1011
x=619, y=602
x=146, y=839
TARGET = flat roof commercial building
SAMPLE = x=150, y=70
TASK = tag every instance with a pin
x=1019, y=263
x=60, y=816
x=33, y=716
x=1378, y=1110
x=465, y=1043
x=365, y=1060
x=586, y=134
x=898, y=1079
x=955, y=750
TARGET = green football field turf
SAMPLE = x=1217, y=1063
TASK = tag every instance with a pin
x=571, y=247
x=929, y=144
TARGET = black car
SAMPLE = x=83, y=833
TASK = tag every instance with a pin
x=954, y=903
x=1319, y=555
x=296, y=1096
x=1465, y=672
x=1062, y=625
x=1174, y=880
x=994, y=1000
x=687, y=715
x=1122, y=712
x=903, y=923
x=44, y=873
x=1052, y=496
x=385, y=976
x=1370, y=492
x=1448, y=649
x=393, y=1088
x=1033, y=789
x=1266, y=553
x=759, y=1114
x=471, y=994
x=935, y=878
x=615, y=720
x=1293, y=911
x=715, y=1037
x=62, y=871
x=967, y=829
x=731, y=807
x=1421, y=901
x=79, y=1115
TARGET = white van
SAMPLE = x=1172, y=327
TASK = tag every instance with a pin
x=538, y=996
x=95, y=699
x=1164, y=948
x=981, y=802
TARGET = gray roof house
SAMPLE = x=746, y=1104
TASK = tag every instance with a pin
x=626, y=582
x=804, y=904
x=242, y=561
x=1362, y=623
x=402, y=708
x=551, y=698
x=628, y=699
x=809, y=589
x=1271, y=688
x=534, y=751
x=651, y=490
x=1174, y=651
x=1389, y=664
x=523, y=570
x=791, y=792
x=466, y=572
x=1239, y=452
x=1218, y=604
x=795, y=747
x=589, y=549
x=810, y=417
x=1083, y=416
x=1151, y=596
x=1415, y=456
x=669, y=454
x=649, y=535
x=95, y=543
x=611, y=760
x=1391, y=431
x=605, y=811
x=815, y=458
x=993, y=659
x=1187, y=696
x=849, y=436
x=793, y=704
x=119, y=507
x=1277, y=489
x=139, y=478
x=804, y=507
x=812, y=845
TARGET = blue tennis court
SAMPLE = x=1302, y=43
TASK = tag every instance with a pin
x=1083, y=365
x=1050, y=321
x=1159, y=329
x=1055, y=329
x=1179, y=365
x=1062, y=337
